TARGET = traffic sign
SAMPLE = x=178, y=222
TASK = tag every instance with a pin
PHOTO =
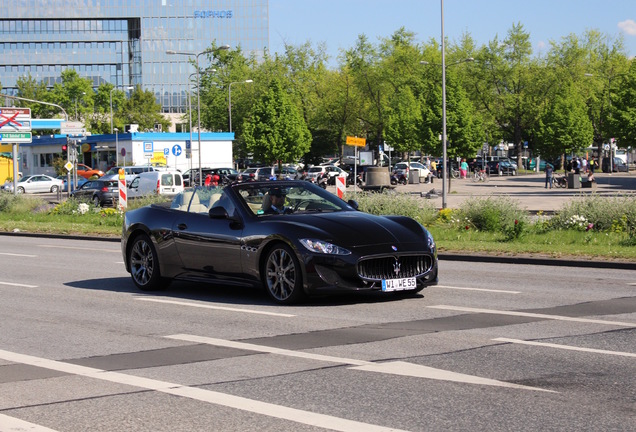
x=72, y=128
x=16, y=137
x=176, y=150
x=355, y=141
x=15, y=120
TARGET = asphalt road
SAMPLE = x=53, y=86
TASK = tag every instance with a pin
x=495, y=347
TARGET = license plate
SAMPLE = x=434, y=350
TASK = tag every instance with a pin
x=398, y=284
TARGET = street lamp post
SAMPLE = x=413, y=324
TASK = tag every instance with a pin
x=196, y=56
x=111, y=105
x=229, y=98
x=445, y=163
x=117, y=148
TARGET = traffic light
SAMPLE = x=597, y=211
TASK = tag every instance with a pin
x=64, y=148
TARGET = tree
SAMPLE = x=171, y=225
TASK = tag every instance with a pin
x=404, y=122
x=564, y=127
x=624, y=119
x=142, y=108
x=275, y=131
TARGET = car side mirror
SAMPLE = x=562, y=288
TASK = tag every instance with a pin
x=353, y=203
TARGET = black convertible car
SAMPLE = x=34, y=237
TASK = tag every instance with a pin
x=291, y=237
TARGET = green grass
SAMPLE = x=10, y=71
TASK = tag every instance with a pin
x=593, y=227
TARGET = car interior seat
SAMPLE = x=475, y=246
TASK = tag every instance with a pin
x=267, y=202
x=196, y=206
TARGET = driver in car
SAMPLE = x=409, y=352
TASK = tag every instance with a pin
x=278, y=202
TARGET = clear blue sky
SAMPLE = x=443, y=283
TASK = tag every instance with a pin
x=339, y=22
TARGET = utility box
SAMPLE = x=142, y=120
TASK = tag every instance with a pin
x=574, y=182
x=414, y=177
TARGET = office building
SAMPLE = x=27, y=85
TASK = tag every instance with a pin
x=125, y=42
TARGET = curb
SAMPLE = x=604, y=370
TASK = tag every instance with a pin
x=618, y=265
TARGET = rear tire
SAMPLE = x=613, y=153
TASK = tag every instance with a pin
x=54, y=189
x=144, y=264
x=96, y=201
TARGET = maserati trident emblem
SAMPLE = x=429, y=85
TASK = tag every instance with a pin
x=396, y=267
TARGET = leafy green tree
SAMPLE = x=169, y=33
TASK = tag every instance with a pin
x=275, y=130
x=624, y=120
x=404, y=122
x=564, y=127
x=142, y=108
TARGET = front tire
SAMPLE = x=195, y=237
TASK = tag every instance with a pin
x=144, y=264
x=282, y=276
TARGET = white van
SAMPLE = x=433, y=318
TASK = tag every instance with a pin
x=168, y=183
x=130, y=172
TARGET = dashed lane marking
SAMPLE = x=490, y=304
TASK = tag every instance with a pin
x=11, y=424
x=207, y=306
x=532, y=315
x=392, y=368
x=477, y=289
x=18, y=285
x=217, y=398
x=18, y=255
x=565, y=347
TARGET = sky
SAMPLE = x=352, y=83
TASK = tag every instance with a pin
x=338, y=23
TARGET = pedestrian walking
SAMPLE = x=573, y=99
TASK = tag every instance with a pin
x=463, y=169
x=549, y=172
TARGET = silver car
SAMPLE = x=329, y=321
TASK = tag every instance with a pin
x=36, y=183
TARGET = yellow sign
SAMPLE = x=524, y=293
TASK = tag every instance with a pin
x=86, y=148
x=158, y=158
x=122, y=174
x=357, y=142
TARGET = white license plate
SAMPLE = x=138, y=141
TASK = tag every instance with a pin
x=398, y=284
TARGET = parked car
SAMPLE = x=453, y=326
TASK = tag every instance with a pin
x=315, y=172
x=130, y=172
x=248, y=175
x=36, y=183
x=320, y=245
x=618, y=166
x=88, y=172
x=80, y=181
x=168, y=183
x=501, y=167
x=288, y=173
x=406, y=168
x=225, y=174
x=99, y=192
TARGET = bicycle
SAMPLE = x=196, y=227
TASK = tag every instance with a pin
x=480, y=175
x=454, y=172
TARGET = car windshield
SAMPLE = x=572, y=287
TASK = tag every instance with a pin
x=298, y=197
x=315, y=169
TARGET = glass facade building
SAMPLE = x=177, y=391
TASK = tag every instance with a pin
x=124, y=42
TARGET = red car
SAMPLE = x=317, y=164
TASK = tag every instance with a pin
x=88, y=172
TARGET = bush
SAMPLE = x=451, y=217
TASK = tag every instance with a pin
x=616, y=214
x=395, y=204
x=492, y=215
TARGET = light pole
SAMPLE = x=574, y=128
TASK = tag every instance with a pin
x=229, y=98
x=111, y=105
x=196, y=56
x=117, y=148
x=445, y=164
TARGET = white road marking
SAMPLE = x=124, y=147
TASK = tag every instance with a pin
x=477, y=289
x=10, y=424
x=266, y=349
x=393, y=368
x=18, y=255
x=80, y=248
x=420, y=371
x=205, y=306
x=565, y=347
x=217, y=398
x=18, y=285
x=533, y=315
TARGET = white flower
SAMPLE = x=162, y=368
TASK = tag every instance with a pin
x=83, y=208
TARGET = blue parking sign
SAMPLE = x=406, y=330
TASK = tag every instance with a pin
x=166, y=151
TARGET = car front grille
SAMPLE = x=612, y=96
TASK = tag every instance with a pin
x=394, y=267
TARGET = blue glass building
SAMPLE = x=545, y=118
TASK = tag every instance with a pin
x=124, y=42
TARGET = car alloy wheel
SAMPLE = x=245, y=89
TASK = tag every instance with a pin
x=54, y=189
x=96, y=201
x=282, y=275
x=144, y=267
x=20, y=190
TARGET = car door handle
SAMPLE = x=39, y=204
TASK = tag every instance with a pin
x=182, y=226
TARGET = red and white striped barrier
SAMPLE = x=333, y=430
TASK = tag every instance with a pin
x=123, y=203
x=340, y=186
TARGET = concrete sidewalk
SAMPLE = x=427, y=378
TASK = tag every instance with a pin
x=528, y=189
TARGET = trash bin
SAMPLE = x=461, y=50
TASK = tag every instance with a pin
x=414, y=177
x=574, y=182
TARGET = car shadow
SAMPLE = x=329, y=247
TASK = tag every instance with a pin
x=232, y=295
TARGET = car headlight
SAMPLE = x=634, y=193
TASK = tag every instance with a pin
x=430, y=241
x=323, y=247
